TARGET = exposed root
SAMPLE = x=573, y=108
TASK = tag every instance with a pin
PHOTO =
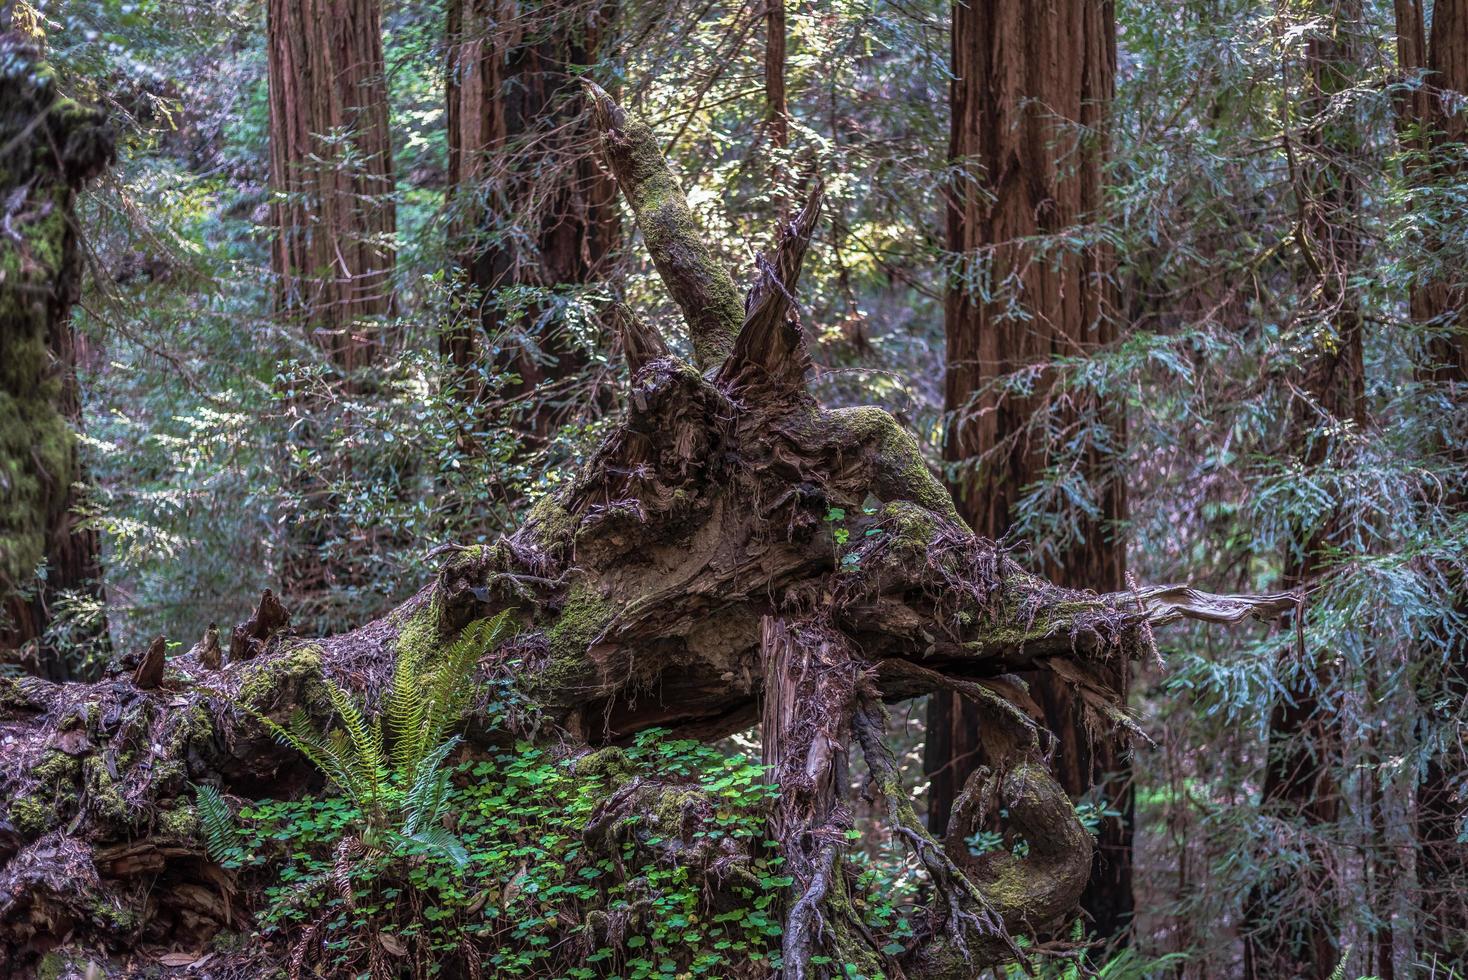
x=699, y=284
x=803, y=923
x=969, y=921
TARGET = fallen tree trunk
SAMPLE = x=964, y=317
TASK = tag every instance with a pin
x=732, y=550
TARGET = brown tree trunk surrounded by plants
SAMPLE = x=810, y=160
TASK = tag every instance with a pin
x=331, y=175
x=1032, y=85
x=530, y=204
x=686, y=576
x=334, y=221
x=1304, y=738
x=1435, y=125
x=49, y=148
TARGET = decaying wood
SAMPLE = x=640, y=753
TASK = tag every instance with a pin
x=210, y=654
x=769, y=348
x=251, y=636
x=149, y=672
x=688, y=576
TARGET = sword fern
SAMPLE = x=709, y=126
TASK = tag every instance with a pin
x=392, y=766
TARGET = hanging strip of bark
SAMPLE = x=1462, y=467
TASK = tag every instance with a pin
x=810, y=681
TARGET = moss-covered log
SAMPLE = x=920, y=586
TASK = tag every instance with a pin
x=732, y=551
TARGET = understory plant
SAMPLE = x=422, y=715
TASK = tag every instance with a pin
x=391, y=769
x=530, y=891
x=512, y=862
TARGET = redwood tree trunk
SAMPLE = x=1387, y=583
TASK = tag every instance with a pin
x=531, y=206
x=331, y=173
x=73, y=553
x=1435, y=126
x=40, y=405
x=1031, y=87
x=334, y=222
x=777, y=112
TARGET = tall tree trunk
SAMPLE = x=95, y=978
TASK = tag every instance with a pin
x=334, y=221
x=40, y=405
x=331, y=173
x=1032, y=85
x=1300, y=936
x=531, y=206
x=690, y=557
x=1435, y=126
x=777, y=111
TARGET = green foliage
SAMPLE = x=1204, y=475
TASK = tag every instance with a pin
x=1123, y=964
x=430, y=692
x=204, y=448
x=533, y=897
x=400, y=793
x=1129, y=964
x=220, y=832
x=1092, y=813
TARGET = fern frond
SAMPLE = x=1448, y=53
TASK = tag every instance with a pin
x=330, y=755
x=425, y=800
x=405, y=711
x=217, y=822
x=364, y=753
x=329, y=752
x=434, y=841
x=299, y=735
x=452, y=687
x=1128, y=964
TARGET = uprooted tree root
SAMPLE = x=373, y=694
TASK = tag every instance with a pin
x=689, y=577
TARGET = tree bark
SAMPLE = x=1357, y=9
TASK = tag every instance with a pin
x=777, y=111
x=684, y=577
x=331, y=174
x=1031, y=88
x=334, y=221
x=1300, y=937
x=51, y=147
x=1434, y=126
x=530, y=204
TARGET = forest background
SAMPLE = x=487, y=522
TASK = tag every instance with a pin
x=1220, y=245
